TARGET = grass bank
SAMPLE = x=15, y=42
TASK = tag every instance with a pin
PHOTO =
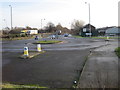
x=117, y=50
x=7, y=85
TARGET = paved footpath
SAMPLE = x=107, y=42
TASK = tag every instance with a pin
x=101, y=68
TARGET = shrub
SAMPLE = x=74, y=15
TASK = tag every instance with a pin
x=117, y=50
x=23, y=35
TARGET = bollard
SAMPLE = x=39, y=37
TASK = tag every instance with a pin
x=39, y=48
x=26, y=51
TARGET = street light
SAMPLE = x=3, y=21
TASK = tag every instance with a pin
x=89, y=17
x=5, y=23
x=41, y=23
x=11, y=15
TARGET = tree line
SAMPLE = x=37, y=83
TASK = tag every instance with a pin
x=76, y=26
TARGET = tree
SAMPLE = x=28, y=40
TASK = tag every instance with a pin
x=50, y=27
x=5, y=32
x=63, y=29
x=16, y=30
x=77, y=26
x=59, y=27
x=28, y=28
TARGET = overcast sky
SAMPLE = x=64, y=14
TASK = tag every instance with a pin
x=30, y=12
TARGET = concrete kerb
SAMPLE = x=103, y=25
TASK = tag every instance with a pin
x=81, y=71
x=31, y=54
x=76, y=81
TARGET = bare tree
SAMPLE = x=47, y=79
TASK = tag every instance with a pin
x=63, y=29
x=50, y=27
x=77, y=26
x=59, y=27
x=28, y=28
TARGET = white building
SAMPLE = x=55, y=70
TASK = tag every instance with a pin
x=114, y=31
x=32, y=32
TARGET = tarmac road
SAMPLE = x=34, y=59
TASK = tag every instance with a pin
x=57, y=68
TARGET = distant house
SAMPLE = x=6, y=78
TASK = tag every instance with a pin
x=114, y=31
x=101, y=31
x=88, y=30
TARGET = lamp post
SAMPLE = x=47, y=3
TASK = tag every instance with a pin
x=11, y=15
x=41, y=23
x=89, y=17
x=5, y=23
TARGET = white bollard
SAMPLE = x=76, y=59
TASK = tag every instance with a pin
x=39, y=48
x=26, y=51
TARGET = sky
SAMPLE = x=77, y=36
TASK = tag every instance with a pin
x=30, y=12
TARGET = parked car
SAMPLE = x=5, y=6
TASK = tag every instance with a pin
x=66, y=35
x=36, y=38
x=52, y=36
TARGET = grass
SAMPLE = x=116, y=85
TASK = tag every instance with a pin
x=47, y=42
x=117, y=50
x=16, y=38
x=105, y=37
x=97, y=37
x=78, y=37
x=7, y=85
x=91, y=37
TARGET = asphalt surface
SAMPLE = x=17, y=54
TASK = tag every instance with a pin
x=57, y=68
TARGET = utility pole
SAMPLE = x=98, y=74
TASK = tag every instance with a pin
x=89, y=18
x=5, y=23
x=41, y=23
x=11, y=15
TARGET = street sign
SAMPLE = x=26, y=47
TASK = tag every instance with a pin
x=88, y=34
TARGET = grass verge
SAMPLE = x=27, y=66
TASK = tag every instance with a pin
x=7, y=85
x=117, y=51
x=97, y=37
x=17, y=38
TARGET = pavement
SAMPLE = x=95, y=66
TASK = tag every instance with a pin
x=101, y=68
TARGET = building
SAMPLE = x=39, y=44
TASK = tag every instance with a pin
x=101, y=31
x=88, y=30
x=114, y=31
x=29, y=32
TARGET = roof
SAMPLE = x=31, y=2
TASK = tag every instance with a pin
x=88, y=25
x=113, y=30
x=105, y=27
